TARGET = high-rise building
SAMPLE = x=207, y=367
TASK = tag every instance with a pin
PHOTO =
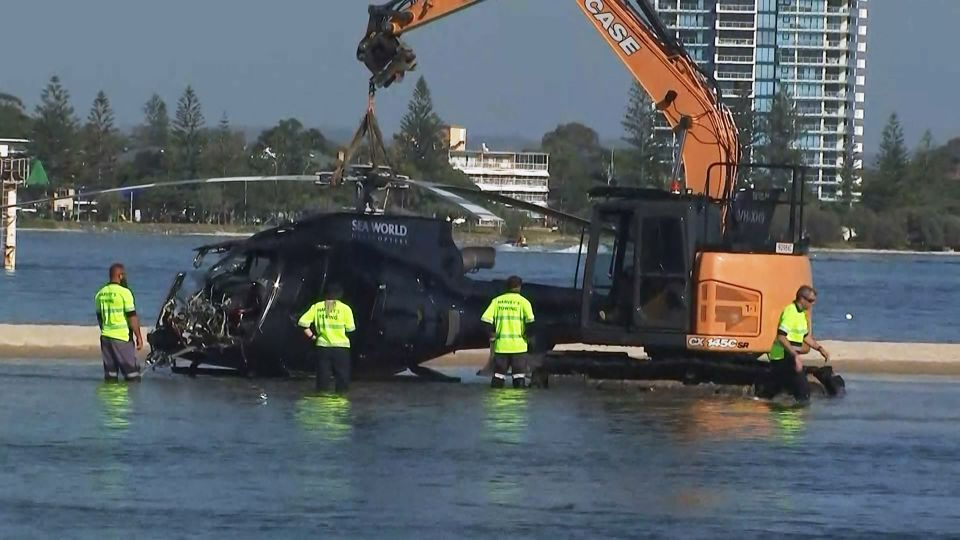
x=814, y=49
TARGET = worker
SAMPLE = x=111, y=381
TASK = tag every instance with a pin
x=794, y=339
x=327, y=323
x=508, y=316
x=117, y=317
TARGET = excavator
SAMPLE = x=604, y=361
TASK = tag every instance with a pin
x=696, y=274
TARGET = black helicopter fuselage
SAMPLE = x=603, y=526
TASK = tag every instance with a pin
x=404, y=277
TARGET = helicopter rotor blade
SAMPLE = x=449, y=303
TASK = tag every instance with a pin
x=174, y=183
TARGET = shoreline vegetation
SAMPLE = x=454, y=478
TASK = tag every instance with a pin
x=536, y=238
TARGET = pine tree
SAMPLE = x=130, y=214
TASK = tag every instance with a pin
x=848, y=179
x=648, y=153
x=101, y=143
x=779, y=131
x=155, y=132
x=741, y=106
x=926, y=173
x=14, y=121
x=188, y=133
x=883, y=191
x=420, y=139
x=55, y=132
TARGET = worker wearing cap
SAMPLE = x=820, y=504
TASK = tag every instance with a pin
x=794, y=339
x=508, y=316
x=327, y=323
x=117, y=316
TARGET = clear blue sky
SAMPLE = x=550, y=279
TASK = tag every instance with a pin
x=505, y=67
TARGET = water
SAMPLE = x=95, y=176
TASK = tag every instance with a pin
x=909, y=298
x=177, y=457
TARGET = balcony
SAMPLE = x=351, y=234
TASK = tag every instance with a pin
x=734, y=42
x=734, y=76
x=736, y=25
x=836, y=44
x=736, y=8
x=733, y=59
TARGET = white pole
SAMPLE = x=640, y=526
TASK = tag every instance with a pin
x=10, y=228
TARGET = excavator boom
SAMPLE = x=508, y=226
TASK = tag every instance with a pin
x=683, y=93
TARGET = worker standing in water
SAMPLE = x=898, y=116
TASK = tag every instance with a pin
x=794, y=339
x=327, y=323
x=508, y=316
x=117, y=318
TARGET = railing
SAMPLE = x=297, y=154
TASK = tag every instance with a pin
x=733, y=41
x=735, y=24
x=498, y=164
x=734, y=58
x=734, y=75
x=14, y=169
x=736, y=7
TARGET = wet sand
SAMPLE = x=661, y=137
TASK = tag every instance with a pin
x=82, y=342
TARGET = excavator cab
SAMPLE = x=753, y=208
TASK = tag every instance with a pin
x=664, y=267
x=638, y=277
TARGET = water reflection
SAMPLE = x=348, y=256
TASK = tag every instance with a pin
x=506, y=422
x=790, y=422
x=506, y=415
x=325, y=415
x=114, y=399
x=322, y=478
x=111, y=480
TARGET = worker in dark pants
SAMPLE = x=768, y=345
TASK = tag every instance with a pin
x=508, y=316
x=793, y=340
x=120, y=335
x=327, y=323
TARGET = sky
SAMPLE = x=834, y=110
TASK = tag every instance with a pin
x=503, y=67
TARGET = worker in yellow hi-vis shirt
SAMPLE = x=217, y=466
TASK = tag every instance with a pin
x=509, y=315
x=119, y=327
x=327, y=323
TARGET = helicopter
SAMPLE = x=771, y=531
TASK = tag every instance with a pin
x=404, y=276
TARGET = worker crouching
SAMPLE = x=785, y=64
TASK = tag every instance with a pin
x=793, y=340
x=509, y=315
x=327, y=323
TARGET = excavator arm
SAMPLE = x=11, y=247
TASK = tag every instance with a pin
x=690, y=102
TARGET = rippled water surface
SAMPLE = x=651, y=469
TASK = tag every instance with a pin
x=179, y=457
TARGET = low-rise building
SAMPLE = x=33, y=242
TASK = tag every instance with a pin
x=521, y=175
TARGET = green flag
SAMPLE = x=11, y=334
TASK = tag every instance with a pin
x=38, y=176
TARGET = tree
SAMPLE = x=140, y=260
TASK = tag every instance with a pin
x=779, y=132
x=647, y=155
x=420, y=141
x=188, y=133
x=101, y=143
x=155, y=131
x=226, y=153
x=577, y=164
x=926, y=175
x=741, y=106
x=848, y=179
x=884, y=189
x=14, y=122
x=55, y=132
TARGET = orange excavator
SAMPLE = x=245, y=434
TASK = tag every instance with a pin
x=698, y=274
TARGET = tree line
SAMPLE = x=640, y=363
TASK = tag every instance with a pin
x=904, y=200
